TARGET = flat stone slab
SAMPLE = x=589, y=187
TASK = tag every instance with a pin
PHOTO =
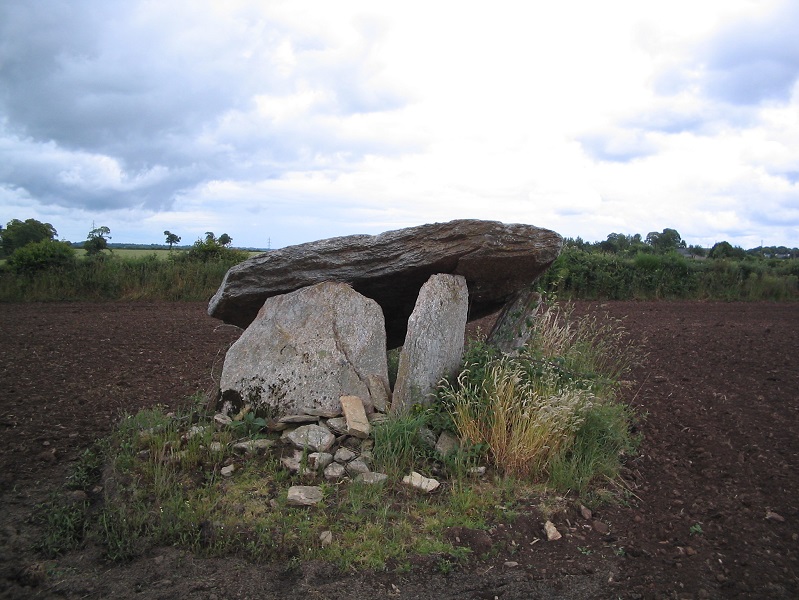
x=258, y=446
x=420, y=482
x=304, y=495
x=357, y=423
x=497, y=260
x=312, y=437
x=371, y=478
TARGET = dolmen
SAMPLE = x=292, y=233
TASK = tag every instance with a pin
x=319, y=317
x=496, y=259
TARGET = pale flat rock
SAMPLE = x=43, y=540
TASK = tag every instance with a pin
x=228, y=470
x=194, y=431
x=319, y=461
x=324, y=413
x=298, y=419
x=357, y=423
x=293, y=464
x=497, y=260
x=371, y=478
x=551, y=531
x=314, y=438
x=344, y=455
x=337, y=425
x=222, y=422
x=335, y=471
x=420, y=482
x=251, y=447
x=356, y=467
x=304, y=495
x=434, y=342
x=447, y=443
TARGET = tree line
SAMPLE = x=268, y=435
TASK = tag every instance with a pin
x=664, y=266
x=670, y=240
x=29, y=246
x=660, y=265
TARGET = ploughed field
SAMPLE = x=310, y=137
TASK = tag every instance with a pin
x=712, y=507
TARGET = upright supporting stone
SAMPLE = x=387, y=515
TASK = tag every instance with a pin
x=305, y=350
x=434, y=343
x=515, y=322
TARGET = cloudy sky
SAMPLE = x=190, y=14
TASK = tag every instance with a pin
x=281, y=122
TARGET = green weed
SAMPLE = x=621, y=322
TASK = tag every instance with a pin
x=65, y=525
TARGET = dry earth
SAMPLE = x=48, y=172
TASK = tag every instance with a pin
x=720, y=404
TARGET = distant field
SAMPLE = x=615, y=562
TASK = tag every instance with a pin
x=125, y=253
x=139, y=252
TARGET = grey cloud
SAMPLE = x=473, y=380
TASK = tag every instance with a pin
x=791, y=176
x=755, y=61
x=744, y=64
x=93, y=80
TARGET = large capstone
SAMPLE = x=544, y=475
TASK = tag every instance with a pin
x=305, y=350
x=496, y=259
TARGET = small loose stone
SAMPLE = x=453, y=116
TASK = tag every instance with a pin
x=420, y=482
x=551, y=531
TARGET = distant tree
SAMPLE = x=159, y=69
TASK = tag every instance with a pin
x=21, y=233
x=41, y=255
x=97, y=241
x=726, y=250
x=666, y=241
x=171, y=239
x=697, y=250
x=577, y=242
x=211, y=249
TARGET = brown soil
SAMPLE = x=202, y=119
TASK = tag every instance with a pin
x=718, y=395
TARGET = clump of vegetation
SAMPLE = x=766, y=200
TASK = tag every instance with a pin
x=544, y=419
x=49, y=270
x=664, y=266
x=549, y=412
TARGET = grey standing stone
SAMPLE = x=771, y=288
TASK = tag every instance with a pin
x=305, y=350
x=515, y=323
x=434, y=344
